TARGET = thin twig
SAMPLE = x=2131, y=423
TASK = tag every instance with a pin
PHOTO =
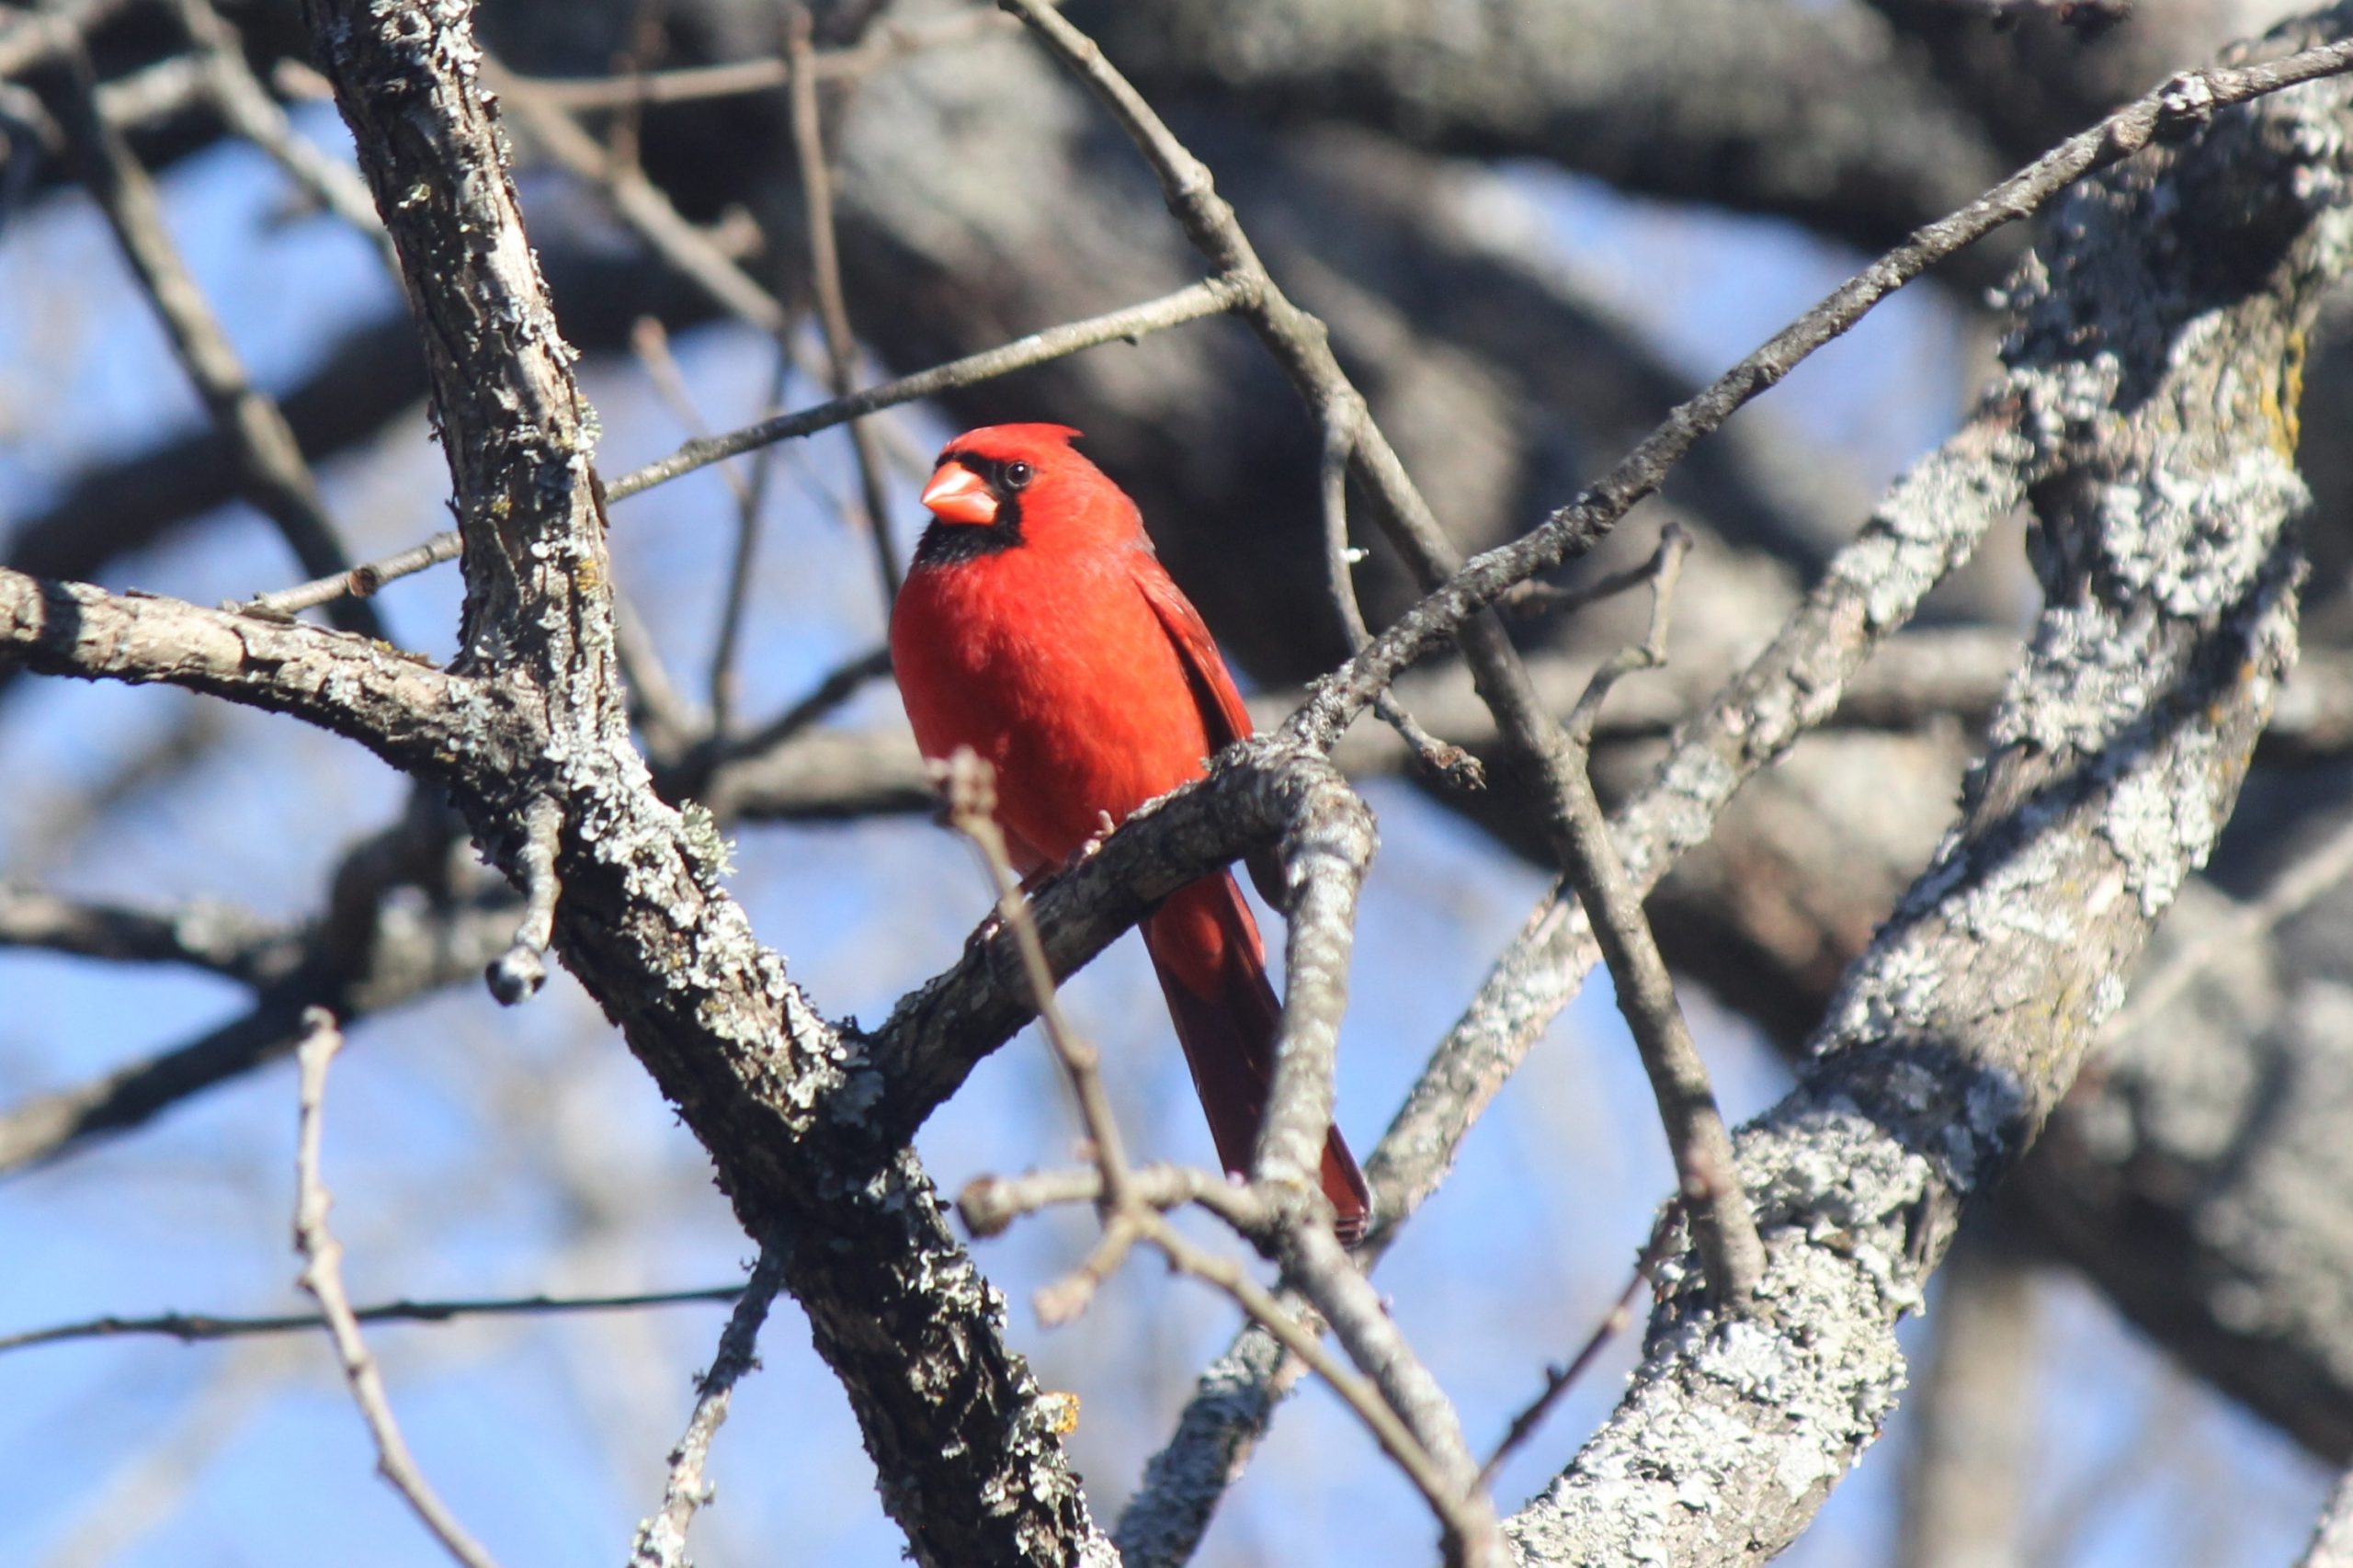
x=1724, y=1227
x=361, y=582
x=150, y=96
x=58, y=27
x=840, y=684
x=646, y=208
x=1532, y=598
x=1343, y=418
x=971, y=787
x=989, y=1204
x=322, y=1275
x=667, y=721
x=1559, y=1379
x=190, y=1328
x=1403, y=1410
x=276, y=479
x=661, y=1541
x=2179, y=107
x=736, y=602
x=516, y=974
x=650, y=342
x=1762, y=711
x=1663, y=571
x=826, y=281
x=1358, y=1392
x=1212, y=296
x=1334, y=1283
x=638, y=202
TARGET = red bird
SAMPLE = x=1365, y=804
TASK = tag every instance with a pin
x=1038, y=628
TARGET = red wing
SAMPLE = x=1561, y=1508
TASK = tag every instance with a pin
x=1224, y=717
x=1222, y=714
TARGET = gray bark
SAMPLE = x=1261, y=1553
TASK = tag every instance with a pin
x=2157, y=373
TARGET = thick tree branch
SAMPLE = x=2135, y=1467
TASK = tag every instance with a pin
x=1930, y=521
x=2118, y=756
x=1555, y=766
x=969, y=1466
x=398, y=706
x=2332, y=1542
x=2176, y=109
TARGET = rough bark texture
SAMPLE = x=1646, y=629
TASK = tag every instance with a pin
x=2199, y=1175
x=968, y=1467
x=2164, y=377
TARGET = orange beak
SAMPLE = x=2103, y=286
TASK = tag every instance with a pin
x=957, y=494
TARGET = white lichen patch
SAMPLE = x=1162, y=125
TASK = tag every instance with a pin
x=2162, y=822
x=2191, y=541
x=2015, y=897
x=2108, y=996
x=2085, y=677
x=1895, y=992
x=1691, y=791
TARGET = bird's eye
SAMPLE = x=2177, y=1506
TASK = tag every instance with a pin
x=1017, y=474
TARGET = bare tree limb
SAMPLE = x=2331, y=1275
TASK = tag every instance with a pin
x=516, y=974
x=190, y=1328
x=1555, y=762
x=1403, y=1407
x=2179, y=107
x=356, y=960
x=1929, y=521
x=825, y=282
x=1207, y=298
x=2116, y=756
x=661, y=1541
x=249, y=109
x=968, y=1460
x=400, y=707
x=1559, y=1379
x=226, y=941
x=1655, y=98
x=52, y=32
x=323, y=1277
x=893, y=41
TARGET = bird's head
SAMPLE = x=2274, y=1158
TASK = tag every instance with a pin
x=1006, y=485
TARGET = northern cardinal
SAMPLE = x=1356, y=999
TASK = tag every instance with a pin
x=1037, y=627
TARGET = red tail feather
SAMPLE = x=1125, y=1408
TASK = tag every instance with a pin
x=1213, y=969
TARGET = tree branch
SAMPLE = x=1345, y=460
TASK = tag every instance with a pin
x=662, y=1540
x=968, y=1464
x=2117, y=756
x=323, y=1277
